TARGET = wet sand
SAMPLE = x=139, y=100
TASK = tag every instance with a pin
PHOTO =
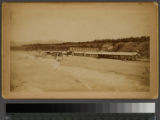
x=30, y=73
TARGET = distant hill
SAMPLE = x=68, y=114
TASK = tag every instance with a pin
x=132, y=44
x=14, y=43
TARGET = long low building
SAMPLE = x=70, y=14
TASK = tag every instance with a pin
x=109, y=55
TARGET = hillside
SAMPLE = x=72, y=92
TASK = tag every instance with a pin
x=132, y=44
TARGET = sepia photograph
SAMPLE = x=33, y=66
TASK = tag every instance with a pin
x=80, y=50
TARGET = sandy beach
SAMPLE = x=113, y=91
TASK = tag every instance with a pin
x=31, y=73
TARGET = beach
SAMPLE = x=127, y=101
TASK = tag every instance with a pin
x=32, y=73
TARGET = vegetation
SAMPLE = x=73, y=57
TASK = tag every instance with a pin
x=131, y=44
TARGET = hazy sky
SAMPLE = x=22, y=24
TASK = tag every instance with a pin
x=78, y=21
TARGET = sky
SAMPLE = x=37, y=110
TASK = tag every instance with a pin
x=28, y=22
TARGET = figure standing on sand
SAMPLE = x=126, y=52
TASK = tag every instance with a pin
x=59, y=56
